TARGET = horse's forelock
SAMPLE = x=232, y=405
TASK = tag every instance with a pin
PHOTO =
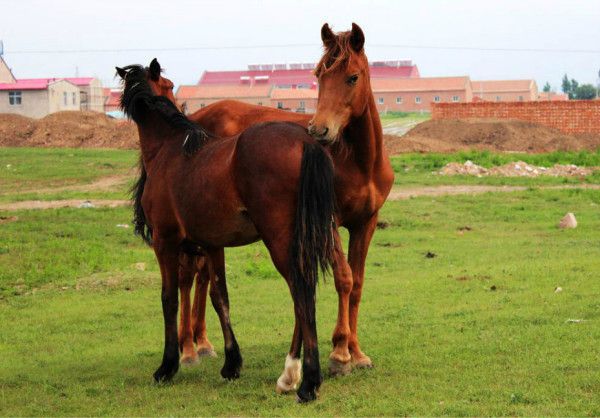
x=336, y=54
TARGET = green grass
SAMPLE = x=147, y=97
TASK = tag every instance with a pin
x=404, y=116
x=28, y=169
x=476, y=330
x=81, y=329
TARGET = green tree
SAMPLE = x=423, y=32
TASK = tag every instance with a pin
x=585, y=92
x=566, y=85
x=547, y=88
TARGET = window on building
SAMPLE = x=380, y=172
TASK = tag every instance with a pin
x=74, y=97
x=498, y=98
x=520, y=98
x=14, y=98
x=260, y=103
x=202, y=105
x=436, y=99
x=455, y=99
x=279, y=105
x=65, y=97
x=380, y=100
x=418, y=99
x=302, y=104
x=398, y=100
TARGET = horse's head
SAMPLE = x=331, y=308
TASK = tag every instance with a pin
x=344, y=86
x=161, y=86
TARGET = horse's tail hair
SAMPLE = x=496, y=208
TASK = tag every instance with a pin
x=140, y=223
x=313, y=242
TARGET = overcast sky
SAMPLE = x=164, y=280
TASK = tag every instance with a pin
x=242, y=32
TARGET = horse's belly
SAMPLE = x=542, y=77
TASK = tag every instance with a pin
x=226, y=227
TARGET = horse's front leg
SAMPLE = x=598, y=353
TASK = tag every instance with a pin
x=360, y=238
x=167, y=253
x=339, y=359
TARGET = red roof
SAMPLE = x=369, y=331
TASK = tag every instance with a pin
x=113, y=98
x=42, y=83
x=293, y=77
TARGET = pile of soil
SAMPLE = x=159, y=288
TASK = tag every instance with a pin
x=486, y=134
x=67, y=129
x=516, y=169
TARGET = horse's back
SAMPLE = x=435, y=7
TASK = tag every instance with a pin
x=231, y=117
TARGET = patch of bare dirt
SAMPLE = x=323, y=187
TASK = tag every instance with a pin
x=104, y=183
x=491, y=135
x=516, y=169
x=53, y=204
x=408, y=193
x=68, y=129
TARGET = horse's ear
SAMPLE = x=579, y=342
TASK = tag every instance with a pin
x=154, y=70
x=121, y=72
x=357, y=38
x=327, y=36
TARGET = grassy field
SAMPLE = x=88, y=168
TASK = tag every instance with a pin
x=476, y=330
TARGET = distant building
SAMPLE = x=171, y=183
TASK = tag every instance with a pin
x=505, y=90
x=112, y=100
x=551, y=96
x=38, y=97
x=296, y=100
x=417, y=94
x=299, y=75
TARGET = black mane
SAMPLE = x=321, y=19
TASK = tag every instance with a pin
x=138, y=97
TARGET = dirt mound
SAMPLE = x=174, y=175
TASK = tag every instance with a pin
x=491, y=135
x=516, y=169
x=15, y=128
x=68, y=129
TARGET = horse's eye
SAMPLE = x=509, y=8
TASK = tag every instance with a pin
x=352, y=79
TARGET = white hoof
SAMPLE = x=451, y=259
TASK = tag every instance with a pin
x=291, y=376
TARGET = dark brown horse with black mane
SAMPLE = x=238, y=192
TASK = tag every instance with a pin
x=197, y=196
x=346, y=119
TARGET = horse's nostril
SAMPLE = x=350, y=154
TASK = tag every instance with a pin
x=325, y=131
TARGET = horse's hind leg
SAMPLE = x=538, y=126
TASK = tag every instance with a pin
x=292, y=370
x=203, y=346
x=220, y=301
x=187, y=270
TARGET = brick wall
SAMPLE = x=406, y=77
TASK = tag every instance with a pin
x=575, y=116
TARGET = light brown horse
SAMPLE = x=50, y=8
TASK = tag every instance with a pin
x=346, y=119
x=195, y=197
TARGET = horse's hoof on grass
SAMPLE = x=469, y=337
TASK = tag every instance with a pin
x=362, y=362
x=338, y=368
x=207, y=352
x=189, y=361
x=306, y=396
x=165, y=373
x=230, y=373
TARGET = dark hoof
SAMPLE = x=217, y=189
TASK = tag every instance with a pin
x=304, y=396
x=230, y=373
x=165, y=372
x=308, y=389
x=233, y=364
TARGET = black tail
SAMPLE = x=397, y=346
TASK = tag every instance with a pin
x=140, y=223
x=313, y=244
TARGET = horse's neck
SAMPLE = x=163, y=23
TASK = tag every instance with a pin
x=365, y=139
x=153, y=132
